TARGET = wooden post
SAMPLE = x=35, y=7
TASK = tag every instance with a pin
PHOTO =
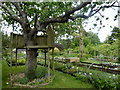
x=11, y=78
x=48, y=66
x=53, y=62
x=16, y=58
x=45, y=57
x=26, y=54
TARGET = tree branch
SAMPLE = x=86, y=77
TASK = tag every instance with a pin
x=35, y=22
x=23, y=15
x=18, y=8
x=66, y=17
x=93, y=11
x=13, y=16
x=68, y=13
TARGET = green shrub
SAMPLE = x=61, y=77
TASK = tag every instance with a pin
x=41, y=72
x=103, y=81
x=56, y=51
x=74, y=55
x=22, y=61
x=72, y=70
x=24, y=80
x=13, y=60
x=59, y=66
x=82, y=59
x=81, y=76
x=69, y=65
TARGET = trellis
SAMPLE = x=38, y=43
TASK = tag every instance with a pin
x=44, y=41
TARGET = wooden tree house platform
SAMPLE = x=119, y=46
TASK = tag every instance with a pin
x=44, y=41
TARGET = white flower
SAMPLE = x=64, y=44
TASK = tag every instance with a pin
x=79, y=73
x=109, y=76
x=90, y=73
x=85, y=73
x=77, y=68
x=7, y=83
x=113, y=74
x=72, y=66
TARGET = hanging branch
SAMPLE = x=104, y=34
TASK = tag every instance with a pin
x=10, y=12
x=67, y=16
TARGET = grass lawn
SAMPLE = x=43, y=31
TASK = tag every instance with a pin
x=67, y=81
x=61, y=80
x=97, y=61
x=5, y=74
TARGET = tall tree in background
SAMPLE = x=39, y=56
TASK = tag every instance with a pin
x=34, y=17
x=114, y=40
x=115, y=34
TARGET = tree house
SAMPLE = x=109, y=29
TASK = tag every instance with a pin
x=44, y=41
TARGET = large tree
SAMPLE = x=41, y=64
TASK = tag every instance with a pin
x=34, y=17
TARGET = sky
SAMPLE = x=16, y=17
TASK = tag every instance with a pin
x=103, y=33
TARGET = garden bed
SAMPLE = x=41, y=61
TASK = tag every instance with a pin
x=99, y=79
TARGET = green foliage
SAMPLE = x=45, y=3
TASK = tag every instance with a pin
x=23, y=80
x=23, y=61
x=115, y=35
x=103, y=81
x=13, y=60
x=60, y=66
x=99, y=79
x=109, y=49
x=93, y=38
x=69, y=65
x=72, y=70
x=81, y=77
x=56, y=51
x=21, y=55
x=41, y=72
x=53, y=9
x=59, y=81
x=74, y=55
x=83, y=59
x=5, y=44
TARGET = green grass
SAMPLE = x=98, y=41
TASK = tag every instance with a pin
x=93, y=61
x=61, y=80
x=5, y=74
x=67, y=81
x=97, y=61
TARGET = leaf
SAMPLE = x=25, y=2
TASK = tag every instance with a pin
x=101, y=22
x=97, y=18
x=107, y=18
x=116, y=16
x=95, y=25
x=110, y=26
x=103, y=25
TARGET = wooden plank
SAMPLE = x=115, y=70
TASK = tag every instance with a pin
x=40, y=47
x=72, y=59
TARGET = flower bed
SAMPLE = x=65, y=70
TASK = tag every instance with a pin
x=99, y=79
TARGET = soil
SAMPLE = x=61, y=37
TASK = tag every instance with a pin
x=20, y=75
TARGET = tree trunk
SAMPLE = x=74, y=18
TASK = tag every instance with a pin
x=31, y=64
